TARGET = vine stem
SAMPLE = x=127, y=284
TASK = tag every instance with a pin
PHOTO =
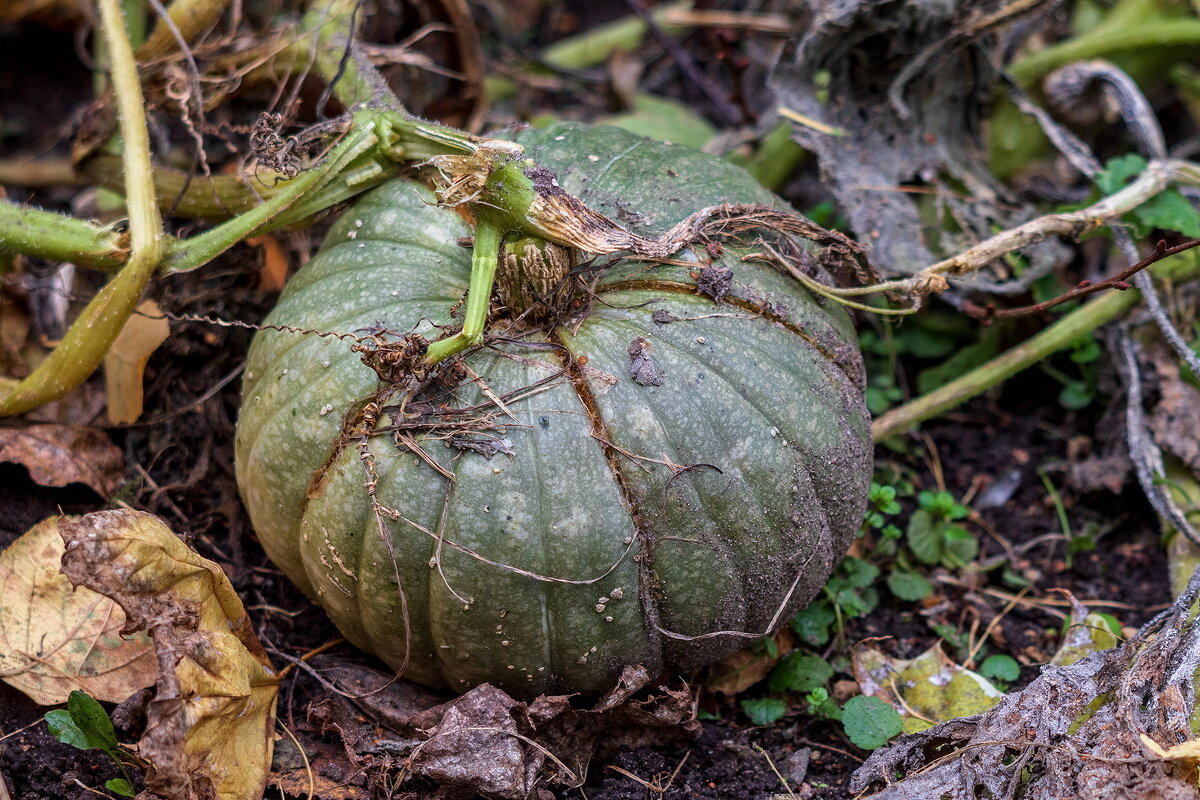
x=1070, y=328
x=484, y=259
x=319, y=181
x=1104, y=43
x=340, y=59
x=58, y=237
x=93, y=332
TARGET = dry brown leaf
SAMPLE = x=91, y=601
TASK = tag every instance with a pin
x=210, y=726
x=1184, y=751
x=736, y=673
x=485, y=743
x=58, y=13
x=14, y=334
x=57, y=455
x=55, y=638
x=306, y=783
x=273, y=274
x=126, y=360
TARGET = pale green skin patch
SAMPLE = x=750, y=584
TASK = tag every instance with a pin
x=771, y=402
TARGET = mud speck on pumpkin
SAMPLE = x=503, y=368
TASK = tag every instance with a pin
x=641, y=363
x=714, y=282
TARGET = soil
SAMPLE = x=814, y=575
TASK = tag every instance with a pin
x=181, y=467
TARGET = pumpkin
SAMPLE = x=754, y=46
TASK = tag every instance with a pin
x=680, y=457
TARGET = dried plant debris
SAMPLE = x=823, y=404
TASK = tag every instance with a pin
x=485, y=743
x=57, y=455
x=211, y=724
x=55, y=638
x=1076, y=731
x=714, y=282
x=905, y=100
x=486, y=446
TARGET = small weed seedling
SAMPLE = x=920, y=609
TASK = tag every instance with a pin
x=868, y=721
x=85, y=725
x=934, y=538
x=1001, y=670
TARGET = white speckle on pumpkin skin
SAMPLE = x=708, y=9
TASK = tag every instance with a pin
x=617, y=593
x=325, y=409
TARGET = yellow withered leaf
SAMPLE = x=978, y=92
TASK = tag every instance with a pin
x=125, y=363
x=211, y=723
x=55, y=638
x=1184, y=751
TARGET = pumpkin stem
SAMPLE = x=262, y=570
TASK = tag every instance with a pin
x=488, y=235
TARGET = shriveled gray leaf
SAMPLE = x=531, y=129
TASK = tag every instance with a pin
x=909, y=86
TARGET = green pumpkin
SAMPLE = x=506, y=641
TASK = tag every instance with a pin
x=673, y=467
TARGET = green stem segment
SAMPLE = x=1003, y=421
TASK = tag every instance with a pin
x=57, y=237
x=91, y=335
x=484, y=258
x=339, y=58
x=1105, y=43
x=304, y=190
x=1067, y=330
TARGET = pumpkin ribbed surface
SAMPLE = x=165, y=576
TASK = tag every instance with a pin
x=712, y=493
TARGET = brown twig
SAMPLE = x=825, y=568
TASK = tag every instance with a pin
x=987, y=314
